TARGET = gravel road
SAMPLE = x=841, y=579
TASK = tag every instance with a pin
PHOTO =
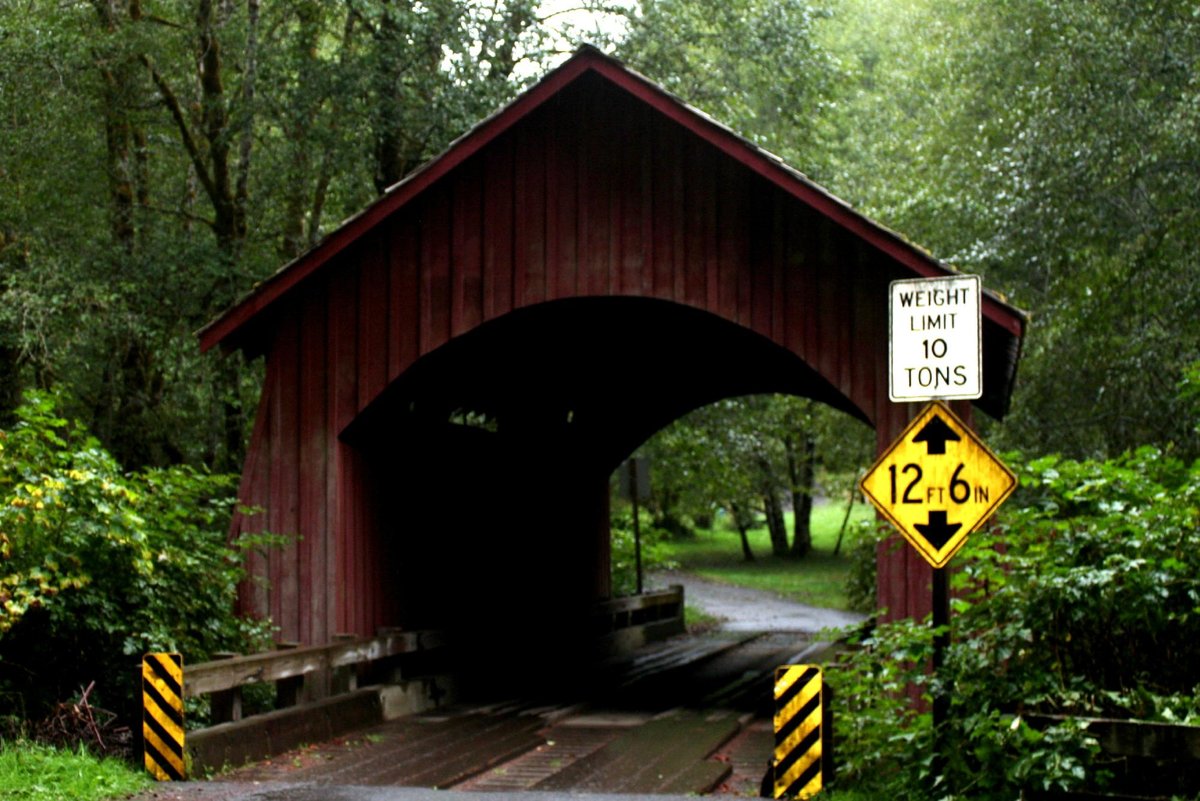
x=742, y=609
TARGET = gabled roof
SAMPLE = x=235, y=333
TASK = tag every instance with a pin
x=229, y=329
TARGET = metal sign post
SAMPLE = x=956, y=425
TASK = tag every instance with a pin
x=634, y=484
x=637, y=526
x=937, y=482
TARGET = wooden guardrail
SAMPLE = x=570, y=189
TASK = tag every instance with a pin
x=624, y=623
x=317, y=694
x=300, y=673
x=1146, y=759
x=1134, y=738
x=309, y=673
x=637, y=610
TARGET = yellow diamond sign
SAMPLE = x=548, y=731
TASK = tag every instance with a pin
x=937, y=483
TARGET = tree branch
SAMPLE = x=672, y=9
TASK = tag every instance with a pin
x=189, y=142
x=247, y=143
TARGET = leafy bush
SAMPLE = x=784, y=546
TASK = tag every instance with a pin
x=99, y=567
x=1085, y=600
x=862, y=543
x=884, y=740
x=1093, y=604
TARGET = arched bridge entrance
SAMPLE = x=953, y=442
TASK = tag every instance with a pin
x=490, y=457
x=502, y=328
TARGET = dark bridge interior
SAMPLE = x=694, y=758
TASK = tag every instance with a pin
x=491, y=456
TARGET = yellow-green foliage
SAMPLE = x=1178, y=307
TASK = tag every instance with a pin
x=99, y=566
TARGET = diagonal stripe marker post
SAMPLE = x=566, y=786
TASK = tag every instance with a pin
x=162, y=716
x=799, y=731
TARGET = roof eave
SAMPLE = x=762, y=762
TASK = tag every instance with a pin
x=228, y=329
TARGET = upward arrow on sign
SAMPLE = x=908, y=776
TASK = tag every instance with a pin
x=935, y=434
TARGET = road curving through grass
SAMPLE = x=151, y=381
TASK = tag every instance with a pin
x=819, y=579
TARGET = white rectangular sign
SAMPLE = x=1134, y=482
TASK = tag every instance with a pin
x=934, y=349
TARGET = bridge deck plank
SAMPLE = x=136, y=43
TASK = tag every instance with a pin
x=411, y=752
x=666, y=755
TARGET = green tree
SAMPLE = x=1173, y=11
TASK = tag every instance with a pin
x=755, y=65
x=160, y=158
x=746, y=455
x=1050, y=147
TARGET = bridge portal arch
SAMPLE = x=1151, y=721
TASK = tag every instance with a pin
x=594, y=235
x=490, y=456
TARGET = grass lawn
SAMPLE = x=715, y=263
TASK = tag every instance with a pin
x=30, y=772
x=819, y=579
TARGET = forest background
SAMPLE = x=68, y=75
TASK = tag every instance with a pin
x=158, y=157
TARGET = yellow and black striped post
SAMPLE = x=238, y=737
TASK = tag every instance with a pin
x=162, y=716
x=799, y=732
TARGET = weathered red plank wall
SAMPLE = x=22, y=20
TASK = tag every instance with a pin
x=592, y=194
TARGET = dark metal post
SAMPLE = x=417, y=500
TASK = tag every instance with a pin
x=941, y=639
x=637, y=529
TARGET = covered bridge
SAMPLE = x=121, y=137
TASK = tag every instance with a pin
x=453, y=374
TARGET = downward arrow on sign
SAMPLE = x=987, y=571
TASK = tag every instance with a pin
x=937, y=532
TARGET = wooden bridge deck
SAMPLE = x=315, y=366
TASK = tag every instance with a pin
x=637, y=735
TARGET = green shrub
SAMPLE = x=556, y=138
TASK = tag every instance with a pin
x=863, y=538
x=654, y=554
x=99, y=567
x=883, y=736
x=1084, y=600
x=1092, y=603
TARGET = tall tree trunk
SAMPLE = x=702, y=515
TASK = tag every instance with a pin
x=124, y=142
x=220, y=154
x=742, y=521
x=775, y=522
x=300, y=121
x=772, y=508
x=802, y=468
x=233, y=413
x=398, y=148
x=10, y=382
x=837, y=548
x=12, y=259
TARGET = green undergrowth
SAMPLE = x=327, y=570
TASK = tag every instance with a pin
x=698, y=620
x=33, y=772
x=819, y=579
x=1081, y=601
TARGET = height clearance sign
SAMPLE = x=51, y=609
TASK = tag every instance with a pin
x=937, y=483
x=935, y=346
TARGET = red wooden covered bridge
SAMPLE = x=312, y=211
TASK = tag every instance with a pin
x=453, y=374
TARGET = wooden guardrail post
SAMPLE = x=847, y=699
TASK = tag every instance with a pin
x=225, y=706
x=627, y=622
x=344, y=678
x=288, y=689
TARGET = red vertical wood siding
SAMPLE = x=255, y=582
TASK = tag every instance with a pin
x=594, y=193
x=252, y=592
x=313, y=468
